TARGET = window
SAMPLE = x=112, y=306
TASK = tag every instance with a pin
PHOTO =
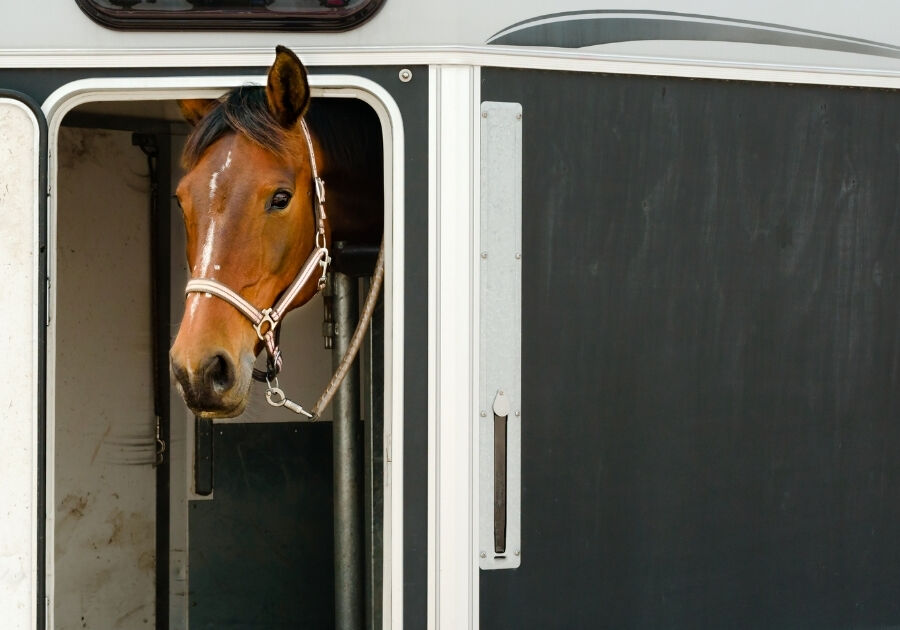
x=265, y=15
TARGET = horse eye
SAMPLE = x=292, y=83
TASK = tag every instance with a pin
x=280, y=200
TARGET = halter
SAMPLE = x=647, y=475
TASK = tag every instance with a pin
x=265, y=321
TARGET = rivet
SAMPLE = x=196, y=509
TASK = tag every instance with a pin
x=484, y=254
x=518, y=413
x=518, y=553
x=518, y=256
x=483, y=414
x=484, y=114
x=406, y=75
x=483, y=555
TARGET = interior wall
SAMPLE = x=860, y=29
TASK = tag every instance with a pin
x=105, y=427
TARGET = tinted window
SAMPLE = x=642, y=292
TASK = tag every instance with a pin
x=231, y=14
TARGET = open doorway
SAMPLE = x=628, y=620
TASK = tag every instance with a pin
x=156, y=521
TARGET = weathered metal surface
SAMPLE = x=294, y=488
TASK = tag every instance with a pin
x=500, y=333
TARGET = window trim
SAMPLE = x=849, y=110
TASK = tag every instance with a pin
x=230, y=20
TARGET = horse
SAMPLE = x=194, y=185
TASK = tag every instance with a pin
x=259, y=225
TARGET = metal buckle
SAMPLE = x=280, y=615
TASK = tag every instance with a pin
x=326, y=260
x=266, y=317
x=320, y=190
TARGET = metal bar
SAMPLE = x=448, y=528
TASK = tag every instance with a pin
x=162, y=333
x=348, y=548
x=366, y=387
x=373, y=414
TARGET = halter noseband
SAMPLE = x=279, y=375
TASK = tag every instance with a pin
x=266, y=321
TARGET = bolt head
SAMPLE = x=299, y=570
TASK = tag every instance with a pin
x=406, y=75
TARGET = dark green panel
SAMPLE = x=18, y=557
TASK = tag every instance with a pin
x=261, y=549
x=711, y=355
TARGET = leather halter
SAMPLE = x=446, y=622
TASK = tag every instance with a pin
x=265, y=321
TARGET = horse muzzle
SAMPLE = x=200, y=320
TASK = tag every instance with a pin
x=213, y=385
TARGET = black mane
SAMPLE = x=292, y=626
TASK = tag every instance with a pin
x=347, y=129
x=242, y=110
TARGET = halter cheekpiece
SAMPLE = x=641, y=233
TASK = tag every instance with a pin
x=265, y=321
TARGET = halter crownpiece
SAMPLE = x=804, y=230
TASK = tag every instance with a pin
x=265, y=321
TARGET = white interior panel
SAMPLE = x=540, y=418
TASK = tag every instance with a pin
x=105, y=427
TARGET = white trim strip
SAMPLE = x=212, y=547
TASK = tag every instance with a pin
x=497, y=56
x=453, y=571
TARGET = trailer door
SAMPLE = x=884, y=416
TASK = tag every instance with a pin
x=710, y=351
x=22, y=317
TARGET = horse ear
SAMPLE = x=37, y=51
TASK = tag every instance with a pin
x=193, y=109
x=287, y=90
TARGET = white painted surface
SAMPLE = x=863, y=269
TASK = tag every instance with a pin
x=18, y=372
x=104, y=500
x=452, y=502
x=51, y=25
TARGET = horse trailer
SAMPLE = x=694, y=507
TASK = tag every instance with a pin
x=634, y=362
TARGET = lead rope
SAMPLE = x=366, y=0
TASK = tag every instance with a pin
x=275, y=395
x=358, y=334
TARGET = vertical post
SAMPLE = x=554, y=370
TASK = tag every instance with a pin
x=348, y=576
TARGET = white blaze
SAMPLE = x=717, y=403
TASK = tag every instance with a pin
x=209, y=239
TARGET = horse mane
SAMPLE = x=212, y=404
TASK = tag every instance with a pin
x=242, y=110
x=347, y=129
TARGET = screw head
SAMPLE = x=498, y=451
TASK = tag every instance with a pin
x=518, y=116
x=518, y=413
x=484, y=114
x=483, y=555
x=518, y=256
x=483, y=413
x=484, y=254
x=406, y=75
x=518, y=553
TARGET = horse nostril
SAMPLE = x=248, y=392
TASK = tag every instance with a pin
x=219, y=373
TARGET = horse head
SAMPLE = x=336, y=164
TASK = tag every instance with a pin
x=248, y=198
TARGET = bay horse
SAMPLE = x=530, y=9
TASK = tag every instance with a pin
x=258, y=230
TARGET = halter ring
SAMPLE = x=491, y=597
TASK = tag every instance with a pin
x=266, y=318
